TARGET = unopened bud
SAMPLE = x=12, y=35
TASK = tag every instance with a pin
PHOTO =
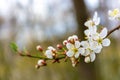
x=73, y=60
x=41, y=63
x=87, y=59
x=65, y=42
x=39, y=48
x=59, y=46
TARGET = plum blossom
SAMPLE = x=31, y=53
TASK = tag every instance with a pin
x=102, y=38
x=114, y=14
x=94, y=43
x=74, y=50
x=89, y=51
x=93, y=23
x=73, y=46
x=50, y=52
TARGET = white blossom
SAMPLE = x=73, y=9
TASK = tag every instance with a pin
x=114, y=14
x=93, y=23
x=74, y=50
x=50, y=52
x=102, y=37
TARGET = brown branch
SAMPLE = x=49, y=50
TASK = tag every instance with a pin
x=117, y=28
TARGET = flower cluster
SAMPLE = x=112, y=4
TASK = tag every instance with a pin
x=74, y=48
x=94, y=42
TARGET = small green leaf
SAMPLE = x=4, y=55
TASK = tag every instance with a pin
x=14, y=47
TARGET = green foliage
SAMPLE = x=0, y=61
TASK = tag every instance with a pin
x=14, y=46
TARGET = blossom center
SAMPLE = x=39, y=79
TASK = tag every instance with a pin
x=100, y=41
x=92, y=23
x=115, y=12
x=74, y=50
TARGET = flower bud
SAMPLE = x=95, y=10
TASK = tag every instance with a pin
x=41, y=63
x=87, y=59
x=39, y=48
x=73, y=60
x=59, y=46
x=65, y=42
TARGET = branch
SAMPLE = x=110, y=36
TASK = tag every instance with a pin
x=39, y=57
x=117, y=28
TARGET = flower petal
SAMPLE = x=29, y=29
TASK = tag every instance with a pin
x=87, y=32
x=86, y=53
x=70, y=53
x=81, y=50
x=77, y=44
x=88, y=23
x=77, y=55
x=85, y=44
x=92, y=57
x=69, y=45
x=48, y=53
x=103, y=33
x=93, y=45
x=98, y=49
x=106, y=42
x=96, y=19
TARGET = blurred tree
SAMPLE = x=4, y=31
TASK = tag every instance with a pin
x=87, y=71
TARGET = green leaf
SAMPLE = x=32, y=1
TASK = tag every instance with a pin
x=14, y=47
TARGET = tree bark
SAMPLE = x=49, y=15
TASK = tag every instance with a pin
x=87, y=71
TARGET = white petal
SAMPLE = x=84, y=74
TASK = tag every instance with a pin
x=85, y=44
x=98, y=49
x=93, y=45
x=70, y=53
x=87, y=32
x=87, y=59
x=92, y=57
x=88, y=23
x=96, y=19
x=81, y=50
x=86, y=53
x=106, y=42
x=103, y=33
x=95, y=36
x=97, y=22
x=69, y=45
x=48, y=53
x=77, y=44
x=95, y=16
x=77, y=55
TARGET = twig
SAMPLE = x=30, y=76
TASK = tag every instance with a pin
x=117, y=28
x=39, y=57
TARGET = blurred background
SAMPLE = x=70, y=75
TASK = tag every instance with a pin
x=48, y=22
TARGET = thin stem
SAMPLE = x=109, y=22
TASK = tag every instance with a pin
x=117, y=28
x=39, y=57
